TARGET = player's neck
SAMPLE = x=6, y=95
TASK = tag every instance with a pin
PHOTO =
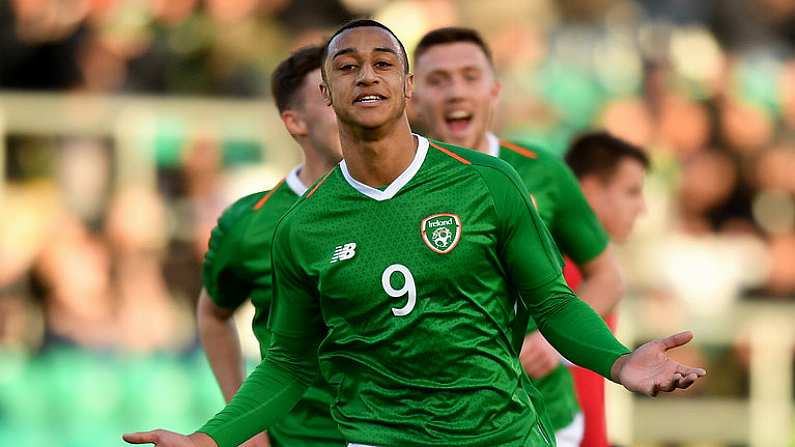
x=315, y=165
x=482, y=144
x=378, y=161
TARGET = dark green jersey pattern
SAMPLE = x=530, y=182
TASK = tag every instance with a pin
x=577, y=233
x=237, y=267
x=426, y=355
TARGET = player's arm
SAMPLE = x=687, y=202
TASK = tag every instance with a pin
x=218, y=336
x=580, y=236
x=533, y=265
x=279, y=381
x=223, y=291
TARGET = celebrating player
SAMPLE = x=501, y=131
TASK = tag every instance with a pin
x=406, y=276
x=611, y=173
x=238, y=263
x=456, y=92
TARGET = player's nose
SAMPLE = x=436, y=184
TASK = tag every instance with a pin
x=366, y=75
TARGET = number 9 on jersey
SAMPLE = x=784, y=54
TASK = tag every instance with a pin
x=408, y=288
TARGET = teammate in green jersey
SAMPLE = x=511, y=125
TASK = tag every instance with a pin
x=238, y=265
x=405, y=277
x=456, y=93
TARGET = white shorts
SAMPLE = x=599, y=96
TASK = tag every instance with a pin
x=571, y=435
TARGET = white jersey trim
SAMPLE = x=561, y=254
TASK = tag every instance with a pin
x=398, y=183
x=494, y=144
x=294, y=182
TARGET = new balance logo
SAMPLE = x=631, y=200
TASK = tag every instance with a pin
x=343, y=252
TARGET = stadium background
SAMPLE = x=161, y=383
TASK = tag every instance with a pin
x=127, y=126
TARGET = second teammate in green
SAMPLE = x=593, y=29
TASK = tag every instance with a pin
x=238, y=263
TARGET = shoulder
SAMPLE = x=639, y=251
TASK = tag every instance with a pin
x=261, y=209
x=318, y=199
x=240, y=208
x=494, y=171
x=536, y=166
x=524, y=154
x=469, y=157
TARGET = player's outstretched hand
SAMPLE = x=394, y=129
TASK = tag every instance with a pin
x=648, y=369
x=165, y=438
x=538, y=357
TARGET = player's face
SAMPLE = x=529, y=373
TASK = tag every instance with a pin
x=455, y=93
x=321, y=122
x=621, y=200
x=366, y=82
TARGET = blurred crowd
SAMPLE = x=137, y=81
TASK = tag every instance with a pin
x=707, y=87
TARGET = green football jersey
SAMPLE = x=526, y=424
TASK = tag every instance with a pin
x=577, y=233
x=237, y=267
x=412, y=301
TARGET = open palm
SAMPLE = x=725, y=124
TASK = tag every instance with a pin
x=165, y=438
x=649, y=370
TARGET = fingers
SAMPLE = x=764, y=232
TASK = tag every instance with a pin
x=142, y=437
x=686, y=381
x=686, y=371
x=676, y=340
x=539, y=370
x=683, y=378
x=534, y=363
x=539, y=363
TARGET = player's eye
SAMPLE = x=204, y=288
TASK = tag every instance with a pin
x=347, y=67
x=383, y=64
x=472, y=76
x=436, y=81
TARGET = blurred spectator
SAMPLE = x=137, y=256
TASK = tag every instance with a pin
x=74, y=272
x=149, y=318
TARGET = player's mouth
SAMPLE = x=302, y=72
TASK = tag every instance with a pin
x=458, y=120
x=369, y=99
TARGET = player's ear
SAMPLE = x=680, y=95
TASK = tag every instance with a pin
x=496, y=89
x=324, y=90
x=294, y=123
x=591, y=187
x=408, y=86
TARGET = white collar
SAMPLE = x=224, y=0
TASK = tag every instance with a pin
x=294, y=182
x=494, y=144
x=398, y=183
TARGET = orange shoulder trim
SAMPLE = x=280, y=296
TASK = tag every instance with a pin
x=268, y=195
x=323, y=180
x=518, y=149
x=450, y=153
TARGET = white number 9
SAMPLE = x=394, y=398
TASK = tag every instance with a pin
x=408, y=287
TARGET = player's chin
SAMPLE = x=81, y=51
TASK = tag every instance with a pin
x=372, y=118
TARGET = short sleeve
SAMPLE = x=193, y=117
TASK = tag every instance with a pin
x=222, y=272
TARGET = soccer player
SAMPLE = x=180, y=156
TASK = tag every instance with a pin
x=238, y=264
x=406, y=277
x=456, y=93
x=611, y=173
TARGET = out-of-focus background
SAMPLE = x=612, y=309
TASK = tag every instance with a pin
x=126, y=126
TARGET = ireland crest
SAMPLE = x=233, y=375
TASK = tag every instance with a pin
x=441, y=232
